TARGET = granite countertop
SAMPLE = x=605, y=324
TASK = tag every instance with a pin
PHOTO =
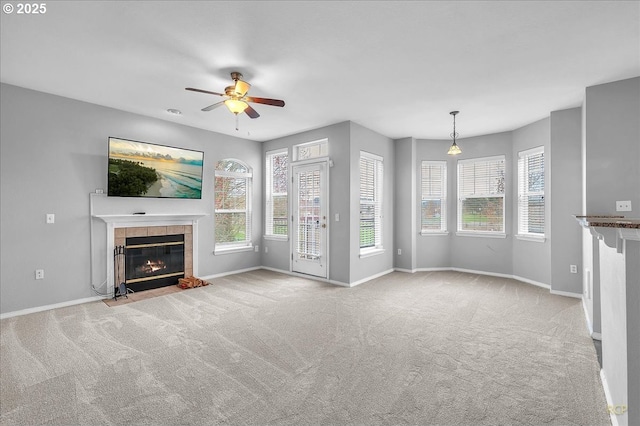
x=608, y=221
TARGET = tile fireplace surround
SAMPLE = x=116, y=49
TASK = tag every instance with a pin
x=119, y=227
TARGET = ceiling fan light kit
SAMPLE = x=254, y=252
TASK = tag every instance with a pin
x=236, y=106
x=237, y=99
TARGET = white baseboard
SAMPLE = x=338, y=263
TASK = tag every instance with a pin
x=334, y=282
x=372, y=277
x=587, y=319
x=567, y=294
x=616, y=420
x=495, y=274
x=406, y=271
x=432, y=269
x=224, y=274
x=53, y=306
x=491, y=274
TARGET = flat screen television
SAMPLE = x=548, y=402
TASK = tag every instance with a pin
x=141, y=169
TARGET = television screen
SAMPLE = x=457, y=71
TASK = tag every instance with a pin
x=140, y=169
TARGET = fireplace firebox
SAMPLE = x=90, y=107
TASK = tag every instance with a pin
x=154, y=261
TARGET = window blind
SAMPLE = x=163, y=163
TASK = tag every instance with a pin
x=434, y=196
x=531, y=192
x=481, y=185
x=276, y=203
x=371, y=184
x=232, y=191
x=309, y=193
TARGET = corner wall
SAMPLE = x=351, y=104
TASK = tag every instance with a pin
x=532, y=259
x=566, y=200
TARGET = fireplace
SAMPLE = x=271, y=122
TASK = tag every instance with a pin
x=152, y=256
x=153, y=261
x=121, y=228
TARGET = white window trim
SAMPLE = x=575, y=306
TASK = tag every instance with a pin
x=444, y=201
x=370, y=251
x=268, y=154
x=489, y=234
x=232, y=248
x=528, y=236
x=379, y=246
x=538, y=238
x=237, y=246
x=433, y=233
x=294, y=153
x=481, y=234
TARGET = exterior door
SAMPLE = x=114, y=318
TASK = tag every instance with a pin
x=309, y=219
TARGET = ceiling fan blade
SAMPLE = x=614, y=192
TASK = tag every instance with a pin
x=214, y=106
x=204, y=91
x=251, y=112
x=266, y=101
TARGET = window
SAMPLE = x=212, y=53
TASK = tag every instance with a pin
x=276, y=205
x=531, y=193
x=481, y=195
x=371, y=182
x=433, y=206
x=309, y=150
x=232, y=205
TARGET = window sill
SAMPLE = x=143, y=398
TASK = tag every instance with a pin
x=371, y=252
x=435, y=233
x=231, y=250
x=534, y=238
x=481, y=234
x=276, y=238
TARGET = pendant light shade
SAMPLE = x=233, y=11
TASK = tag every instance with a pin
x=454, y=149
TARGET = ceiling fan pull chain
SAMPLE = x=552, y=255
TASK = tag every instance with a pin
x=237, y=123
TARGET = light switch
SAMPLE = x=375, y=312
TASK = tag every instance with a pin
x=51, y=218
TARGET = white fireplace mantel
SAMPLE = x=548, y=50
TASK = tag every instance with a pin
x=127, y=220
x=114, y=221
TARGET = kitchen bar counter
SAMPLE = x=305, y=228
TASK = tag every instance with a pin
x=617, y=254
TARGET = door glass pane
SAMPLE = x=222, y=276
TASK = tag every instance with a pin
x=308, y=232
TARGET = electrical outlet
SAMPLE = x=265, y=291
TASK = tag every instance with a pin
x=573, y=269
x=39, y=274
x=337, y=217
x=623, y=206
x=99, y=191
x=266, y=249
x=399, y=252
x=257, y=249
x=51, y=218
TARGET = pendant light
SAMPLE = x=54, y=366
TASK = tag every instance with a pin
x=454, y=149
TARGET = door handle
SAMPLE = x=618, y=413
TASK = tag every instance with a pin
x=324, y=225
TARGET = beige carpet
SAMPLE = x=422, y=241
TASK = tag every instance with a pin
x=264, y=348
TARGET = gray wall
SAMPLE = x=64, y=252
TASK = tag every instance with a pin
x=566, y=199
x=611, y=155
x=363, y=139
x=53, y=154
x=481, y=253
x=613, y=147
x=338, y=136
x=531, y=259
x=434, y=251
x=404, y=200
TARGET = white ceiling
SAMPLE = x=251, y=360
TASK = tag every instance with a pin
x=396, y=67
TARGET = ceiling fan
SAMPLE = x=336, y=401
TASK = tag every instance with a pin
x=237, y=99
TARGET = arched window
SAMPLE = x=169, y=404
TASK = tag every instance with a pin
x=232, y=205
